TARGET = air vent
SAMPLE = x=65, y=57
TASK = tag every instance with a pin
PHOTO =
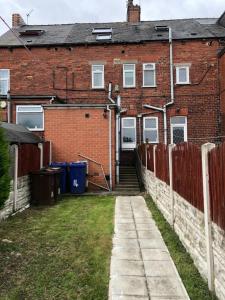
x=162, y=28
x=102, y=30
x=32, y=32
x=193, y=33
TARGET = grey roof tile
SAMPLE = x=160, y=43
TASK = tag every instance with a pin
x=123, y=32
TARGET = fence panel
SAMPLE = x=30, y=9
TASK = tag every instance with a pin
x=46, y=154
x=29, y=158
x=150, y=158
x=217, y=184
x=162, y=163
x=187, y=173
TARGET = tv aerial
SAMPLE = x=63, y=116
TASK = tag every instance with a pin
x=28, y=15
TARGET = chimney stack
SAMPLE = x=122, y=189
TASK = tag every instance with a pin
x=133, y=12
x=17, y=21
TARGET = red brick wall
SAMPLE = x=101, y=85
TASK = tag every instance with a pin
x=72, y=133
x=32, y=75
x=222, y=94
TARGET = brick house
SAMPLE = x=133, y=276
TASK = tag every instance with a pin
x=100, y=89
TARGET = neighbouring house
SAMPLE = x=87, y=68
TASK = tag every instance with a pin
x=97, y=90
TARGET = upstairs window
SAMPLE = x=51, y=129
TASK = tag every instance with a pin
x=178, y=130
x=149, y=75
x=30, y=116
x=150, y=130
x=4, y=81
x=182, y=75
x=98, y=77
x=129, y=75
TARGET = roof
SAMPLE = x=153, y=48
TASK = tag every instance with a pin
x=122, y=32
x=18, y=134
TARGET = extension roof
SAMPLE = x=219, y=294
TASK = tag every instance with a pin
x=122, y=32
x=17, y=134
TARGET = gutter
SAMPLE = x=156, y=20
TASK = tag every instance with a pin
x=22, y=97
x=103, y=105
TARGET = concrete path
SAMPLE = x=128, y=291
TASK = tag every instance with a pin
x=141, y=267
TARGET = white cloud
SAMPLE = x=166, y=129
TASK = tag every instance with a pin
x=69, y=11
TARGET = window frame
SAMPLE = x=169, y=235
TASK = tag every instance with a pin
x=27, y=111
x=8, y=80
x=98, y=72
x=128, y=146
x=143, y=70
x=134, y=75
x=187, y=68
x=172, y=126
x=151, y=129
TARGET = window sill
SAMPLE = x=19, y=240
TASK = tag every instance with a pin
x=149, y=86
x=183, y=83
x=36, y=130
x=98, y=89
x=129, y=87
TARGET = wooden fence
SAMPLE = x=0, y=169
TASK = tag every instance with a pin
x=187, y=174
x=29, y=158
x=217, y=184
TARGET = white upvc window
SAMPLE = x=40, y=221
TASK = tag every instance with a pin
x=150, y=130
x=128, y=133
x=30, y=116
x=98, y=81
x=178, y=130
x=149, y=75
x=129, y=75
x=183, y=74
x=4, y=81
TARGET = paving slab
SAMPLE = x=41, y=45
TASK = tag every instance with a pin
x=141, y=266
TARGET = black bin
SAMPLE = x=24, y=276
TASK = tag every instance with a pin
x=45, y=187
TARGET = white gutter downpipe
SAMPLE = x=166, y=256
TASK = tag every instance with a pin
x=118, y=140
x=8, y=107
x=110, y=93
x=110, y=146
x=15, y=177
x=40, y=146
x=171, y=89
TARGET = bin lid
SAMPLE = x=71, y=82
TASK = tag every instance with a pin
x=58, y=164
x=78, y=164
x=47, y=172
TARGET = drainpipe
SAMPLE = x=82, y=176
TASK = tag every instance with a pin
x=110, y=93
x=118, y=140
x=110, y=145
x=164, y=108
x=8, y=107
x=40, y=146
x=15, y=177
x=50, y=152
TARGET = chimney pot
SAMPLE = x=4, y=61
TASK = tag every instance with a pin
x=133, y=12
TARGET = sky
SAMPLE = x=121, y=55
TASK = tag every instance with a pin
x=72, y=11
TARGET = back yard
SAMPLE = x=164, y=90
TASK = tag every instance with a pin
x=61, y=252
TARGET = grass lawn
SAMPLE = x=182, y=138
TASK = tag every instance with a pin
x=196, y=287
x=59, y=252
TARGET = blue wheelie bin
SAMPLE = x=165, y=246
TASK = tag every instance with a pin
x=63, y=175
x=77, y=177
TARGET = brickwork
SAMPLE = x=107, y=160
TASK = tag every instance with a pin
x=81, y=131
x=199, y=100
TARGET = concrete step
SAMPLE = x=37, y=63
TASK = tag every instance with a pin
x=127, y=185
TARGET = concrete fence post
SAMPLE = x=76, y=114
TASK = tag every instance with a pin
x=146, y=155
x=171, y=147
x=15, y=177
x=205, y=149
x=154, y=158
x=40, y=146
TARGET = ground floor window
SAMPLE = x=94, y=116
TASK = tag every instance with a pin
x=128, y=133
x=30, y=116
x=178, y=130
x=150, y=130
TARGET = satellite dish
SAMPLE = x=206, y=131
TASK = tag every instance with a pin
x=3, y=104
